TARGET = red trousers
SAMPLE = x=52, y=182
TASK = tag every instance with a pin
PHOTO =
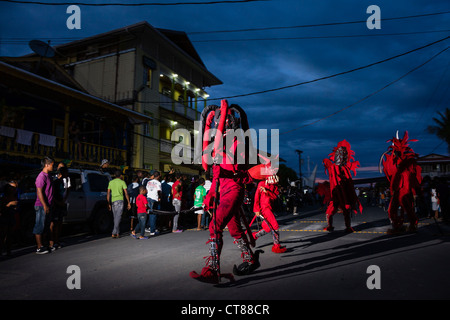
x=269, y=220
x=405, y=200
x=227, y=213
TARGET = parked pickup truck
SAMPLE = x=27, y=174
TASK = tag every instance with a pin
x=86, y=201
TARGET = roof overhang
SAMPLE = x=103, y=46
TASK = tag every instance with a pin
x=13, y=77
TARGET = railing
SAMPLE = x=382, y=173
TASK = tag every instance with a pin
x=83, y=152
x=165, y=146
x=170, y=104
x=181, y=151
x=90, y=153
x=9, y=146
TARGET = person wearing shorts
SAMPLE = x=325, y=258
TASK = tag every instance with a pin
x=44, y=191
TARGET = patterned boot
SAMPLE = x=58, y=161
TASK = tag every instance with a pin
x=258, y=234
x=211, y=272
x=277, y=248
x=250, y=260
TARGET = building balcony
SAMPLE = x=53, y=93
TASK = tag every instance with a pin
x=82, y=153
x=175, y=106
x=183, y=152
x=434, y=165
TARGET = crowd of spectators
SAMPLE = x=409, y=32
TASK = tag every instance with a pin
x=175, y=192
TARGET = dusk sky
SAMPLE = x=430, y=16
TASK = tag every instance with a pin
x=261, y=61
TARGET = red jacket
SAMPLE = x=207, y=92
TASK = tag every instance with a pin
x=264, y=200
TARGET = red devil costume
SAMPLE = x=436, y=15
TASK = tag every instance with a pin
x=404, y=176
x=266, y=193
x=323, y=190
x=230, y=174
x=343, y=195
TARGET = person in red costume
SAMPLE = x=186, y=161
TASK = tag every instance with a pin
x=404, y=176
x=226, y=195
x=266, y=193
x=343, y=195
x=323, y=190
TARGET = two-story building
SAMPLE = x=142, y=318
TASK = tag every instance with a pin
x=154, y=72
x=39, y=107
x=434, y=165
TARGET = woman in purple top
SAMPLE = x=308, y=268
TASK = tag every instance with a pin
x=43, y=202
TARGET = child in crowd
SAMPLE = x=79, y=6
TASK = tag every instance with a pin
x=177, y=195
x=141, y=206
x=200, y=193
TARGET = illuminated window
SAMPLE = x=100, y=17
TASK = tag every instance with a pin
x=147, y=77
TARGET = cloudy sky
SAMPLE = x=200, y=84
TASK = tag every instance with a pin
x=290, y=51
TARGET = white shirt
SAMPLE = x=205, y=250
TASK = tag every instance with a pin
x=207, y=185
x=434, y=195
x=153, y=186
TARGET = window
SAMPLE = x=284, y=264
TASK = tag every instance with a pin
x=27, y=184
x=149, y=66
x=98, y=182
x=58, y=127
x=75, y=182
x=148, y=166
x=147, y=77
x=148, y=127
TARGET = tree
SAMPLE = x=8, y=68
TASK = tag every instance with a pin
x=442, y=127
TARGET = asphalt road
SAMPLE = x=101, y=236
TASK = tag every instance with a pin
x=317, y=266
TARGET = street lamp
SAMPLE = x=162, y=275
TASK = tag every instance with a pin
x=300, y=167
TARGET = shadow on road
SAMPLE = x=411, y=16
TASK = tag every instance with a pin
x=311, y=261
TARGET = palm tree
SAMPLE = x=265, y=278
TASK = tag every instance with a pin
x=442, y=127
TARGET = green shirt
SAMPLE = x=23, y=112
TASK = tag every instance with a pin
x=117, y=186
x=200, y=192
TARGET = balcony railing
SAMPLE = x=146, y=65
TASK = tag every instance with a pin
x=181, y=151
x=90, y=153
x=170, y=104
x=83, y=152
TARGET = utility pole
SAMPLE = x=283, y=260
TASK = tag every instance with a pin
x=300, y=167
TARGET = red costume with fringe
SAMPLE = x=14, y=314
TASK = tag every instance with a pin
x=323, y=190
x=404, y=176
x=343, y=196
x=266, y=193
x=226, y=195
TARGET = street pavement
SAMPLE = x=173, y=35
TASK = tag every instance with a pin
x=318, y=265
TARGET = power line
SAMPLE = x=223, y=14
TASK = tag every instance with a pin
x=130, y=4
x=319, y=24
x=322, y=78
x=322, y=37
x=437, y=146
x=24, y=41
x=368, y=96
x=334, y=75
x=12, y=40
x=442, y=77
